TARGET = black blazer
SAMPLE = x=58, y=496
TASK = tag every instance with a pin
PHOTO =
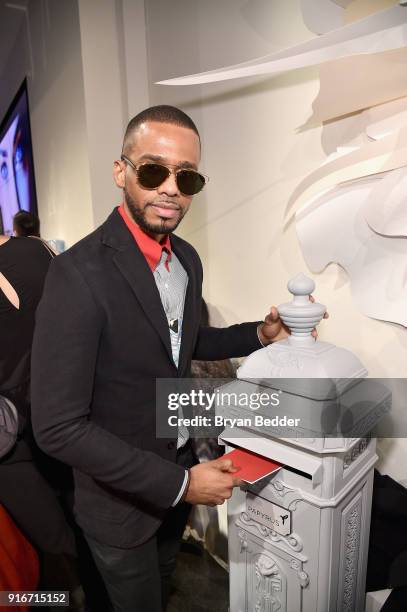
x=100, y=342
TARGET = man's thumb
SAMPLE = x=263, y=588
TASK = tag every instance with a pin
x=225, y=465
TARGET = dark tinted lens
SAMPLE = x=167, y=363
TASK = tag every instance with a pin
x=190, y=182
x=151, y=176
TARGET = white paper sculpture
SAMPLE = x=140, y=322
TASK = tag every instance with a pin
x=335, y=228
x=362, y=224
x=351, y=210
x=379, y=32
x=323, y=16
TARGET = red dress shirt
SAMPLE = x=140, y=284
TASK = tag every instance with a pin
x=151, y=249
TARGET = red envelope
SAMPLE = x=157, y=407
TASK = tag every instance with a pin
x=252, y=467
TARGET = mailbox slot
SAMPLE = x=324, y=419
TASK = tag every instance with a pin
x=293, y=459
x=286, y=467
x=298, y=472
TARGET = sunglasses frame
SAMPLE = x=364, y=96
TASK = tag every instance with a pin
x=169, y=168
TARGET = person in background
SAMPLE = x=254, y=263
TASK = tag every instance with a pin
x=25, y=491
x=26, y=224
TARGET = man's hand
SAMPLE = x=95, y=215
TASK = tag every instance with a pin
x=212, y=483
x=273, y=329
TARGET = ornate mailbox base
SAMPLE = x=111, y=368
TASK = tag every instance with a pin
x=303, y=545
x=320, y=565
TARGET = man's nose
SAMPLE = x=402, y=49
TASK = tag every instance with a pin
x=169, y=186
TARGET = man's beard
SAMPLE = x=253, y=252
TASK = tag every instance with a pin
x=164, y=226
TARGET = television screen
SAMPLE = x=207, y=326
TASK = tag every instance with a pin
x=17, y=182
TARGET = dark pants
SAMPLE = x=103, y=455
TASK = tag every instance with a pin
x=33, y=504
x=139, y=579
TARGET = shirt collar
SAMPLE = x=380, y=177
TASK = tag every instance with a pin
x=151, y=249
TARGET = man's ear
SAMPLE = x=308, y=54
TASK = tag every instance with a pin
x=119, y=169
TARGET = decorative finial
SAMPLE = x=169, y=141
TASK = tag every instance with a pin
x=301, y=315
x=301, y=285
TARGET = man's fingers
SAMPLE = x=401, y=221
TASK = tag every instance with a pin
x=225, y=465
x=326, y=314
x=237, y=482
x=272, y=317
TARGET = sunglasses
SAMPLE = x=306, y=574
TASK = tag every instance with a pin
x=151, y=175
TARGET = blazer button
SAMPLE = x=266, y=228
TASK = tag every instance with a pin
x=171, y=445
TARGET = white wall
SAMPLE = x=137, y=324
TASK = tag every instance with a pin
x=114, y=64
x=87, y=72
x=48, y=51
x=255, y=157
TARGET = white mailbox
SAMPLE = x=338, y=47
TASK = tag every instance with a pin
x=298, y=539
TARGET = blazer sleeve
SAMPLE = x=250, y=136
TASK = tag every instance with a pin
x=69, y=325
x=215, y=343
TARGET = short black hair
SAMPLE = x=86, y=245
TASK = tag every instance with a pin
x=162, y=113
x=26, y=224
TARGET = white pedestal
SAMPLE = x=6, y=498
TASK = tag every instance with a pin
x=298, y=540
x=320, y=566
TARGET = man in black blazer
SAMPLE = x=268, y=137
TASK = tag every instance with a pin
x=106, y=330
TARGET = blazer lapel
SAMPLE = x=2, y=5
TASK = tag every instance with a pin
x=134, y=267
x=188, y=322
